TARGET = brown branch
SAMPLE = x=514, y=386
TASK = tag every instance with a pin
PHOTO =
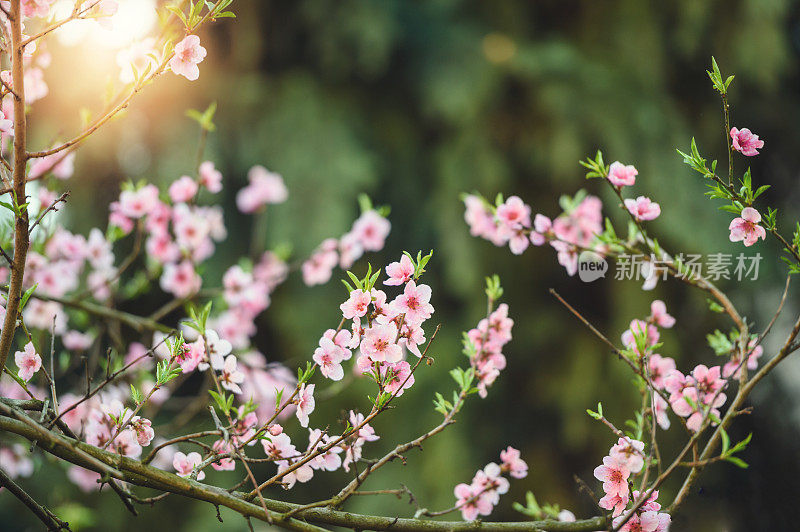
x=21, y=235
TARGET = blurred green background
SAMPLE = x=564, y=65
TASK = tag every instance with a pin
x=416, y=102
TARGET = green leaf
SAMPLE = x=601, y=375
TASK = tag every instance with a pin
x=726, y=441
x=738, y=462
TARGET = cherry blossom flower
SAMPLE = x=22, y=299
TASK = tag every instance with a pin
x=181, y=279
x=6, y=124
x=329, y=357
x=365, y=433
x=224, y=464
x=319, y=267
x=746, y=228
x=397, y=377
x=184, y=464
x=659, y=367
x=264, y=188
x=659, y=316
x=210, y=177
x=328, y=460
x=732, y=367
x=629, y=452
x=379, y=343
x=305, y=403
x=28, y=361
x=218, y=349
x=15, y=462
x=77, y=341
x=86, y=480
x=303, y=473
x=470, y=503
x=399, y=272
x=511, y=462
x=231, y=377
x=621, y=175
x=746, y=142
x=640, y=331
x=542, y=226
x=35, y=8
x=187, y=54
x=371, y=229
x=614, y=474
x=144, y=430
x=279, y=446
x=642, y=208
x=514, y=213
x=660, y=409
x=356, y=305
x=414, y=303
x=183, y=189
x=138, y=203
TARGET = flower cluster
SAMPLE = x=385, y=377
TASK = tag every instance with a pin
x=510, y=222
x=623, y=462
x=110, y=425
x=484, y=346
x=483, y=493
x=368, y=233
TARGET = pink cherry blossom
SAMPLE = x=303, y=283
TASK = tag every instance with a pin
x=184, y=464
x=264, y=188
x=225, y=464
x=319, y=267
x=397, y=377
x=642, y=208
x=188, y=53
x=659, y=368
x=659, y=316
x=621, y=175
x=379, y=343
x=28, y=361
x=305, y=403
x=414, y=303
x=329, y=357
x=732, y=367
x=614, y=475
x=279, y=446
x=144, y=430
x=511, y=462
x=181, y=279
x=15, y=462
x=399, y=272
x=366, y=432
x=210, y=177
x=643, y=332
x=542, y=226
x=746, y=142
x=328, y=460
x=183, y=189
x=371, y=229
x=77, y=341
x=138, y=203
x=231, y=377
x=86, y=480
x=630, y=452
x=470, y=503
x=514, y=213
x=746, y=228
x=356, y=305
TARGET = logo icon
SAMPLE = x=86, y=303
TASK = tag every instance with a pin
x=591, y=266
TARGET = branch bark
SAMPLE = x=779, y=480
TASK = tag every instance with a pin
x=21, y=234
